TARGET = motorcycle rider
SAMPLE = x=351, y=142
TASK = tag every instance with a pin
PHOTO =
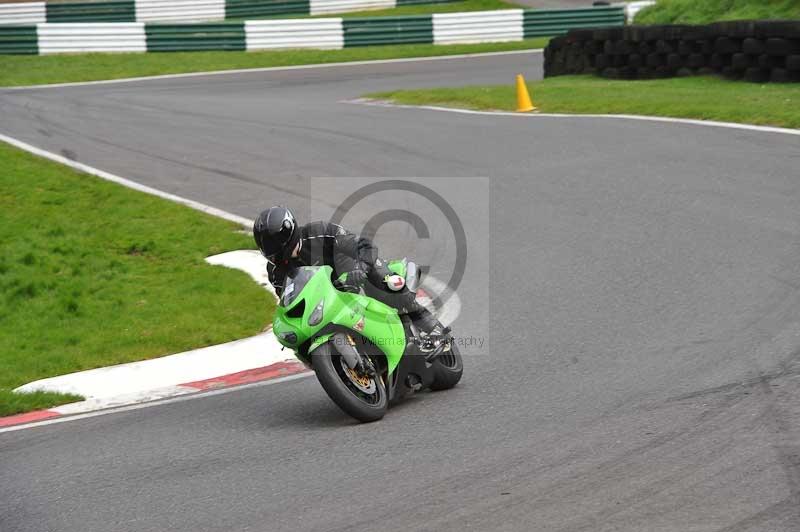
x=355, y=262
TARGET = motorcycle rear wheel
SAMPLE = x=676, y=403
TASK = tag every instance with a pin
x=361, y=397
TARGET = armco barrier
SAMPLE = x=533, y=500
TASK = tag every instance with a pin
x=488, y=26
x=28, y=13
x=92, y=37
x=545, y=23
x=241, y=9
x=183, y=10
x=387, y=30
x=325, y=33
x=757, y=51
x=478, y=26
x=401, y=3
x=326, y=7
x=179, y=10
x=195, y=37
x=116, y=11
x=18, y=40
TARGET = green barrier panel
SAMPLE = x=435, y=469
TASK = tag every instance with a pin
x=117, y=11
x=388, y=30
x=239, y=9
x=194, y=37
x=418, y=2
x=18, y=40
x=545, y=23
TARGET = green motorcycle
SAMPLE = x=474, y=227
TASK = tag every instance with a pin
x=365, y=354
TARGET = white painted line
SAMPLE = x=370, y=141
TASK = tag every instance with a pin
x=689, y=121
x=213, y=211
x=178, y=399
x=277, y=69
x=91, y=405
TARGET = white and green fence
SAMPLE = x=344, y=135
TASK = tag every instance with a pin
x=321, y=33
x=184, y=10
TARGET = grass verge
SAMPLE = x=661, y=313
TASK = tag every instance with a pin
x=700, y=98
x=94, y=274
x=705, y=11
x=47, y=69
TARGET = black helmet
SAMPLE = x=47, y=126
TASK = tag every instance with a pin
x=275, y=231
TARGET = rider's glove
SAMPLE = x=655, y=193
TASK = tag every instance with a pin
x=395, y=283
x=352, y=281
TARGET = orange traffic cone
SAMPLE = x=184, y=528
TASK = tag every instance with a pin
x=524, y=103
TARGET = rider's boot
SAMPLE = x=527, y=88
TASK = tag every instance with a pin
x=432, y=336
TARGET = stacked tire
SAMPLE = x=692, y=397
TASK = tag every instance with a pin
x=757, y=51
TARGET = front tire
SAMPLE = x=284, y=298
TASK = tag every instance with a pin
x=447, y=369
x=364, y=401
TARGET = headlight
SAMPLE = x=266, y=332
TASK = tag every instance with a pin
x=316, y=316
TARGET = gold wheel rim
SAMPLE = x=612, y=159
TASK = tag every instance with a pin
x=361, y=380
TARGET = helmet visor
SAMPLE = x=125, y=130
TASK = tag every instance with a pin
x=274, y=245
x=269, y=246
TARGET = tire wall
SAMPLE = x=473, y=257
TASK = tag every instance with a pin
x=756, y=51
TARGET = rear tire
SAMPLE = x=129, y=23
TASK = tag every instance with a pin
x=447, y=369
x=329, y=367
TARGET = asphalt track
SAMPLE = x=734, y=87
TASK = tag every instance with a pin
x=643, y=372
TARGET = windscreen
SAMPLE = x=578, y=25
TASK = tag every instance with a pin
x=296, y=280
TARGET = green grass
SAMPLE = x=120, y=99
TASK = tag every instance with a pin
x=705, y=11
x=45, y=69
x=699, y=98
x=94, y=274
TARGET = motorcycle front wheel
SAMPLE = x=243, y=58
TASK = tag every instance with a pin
x=360, y=396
